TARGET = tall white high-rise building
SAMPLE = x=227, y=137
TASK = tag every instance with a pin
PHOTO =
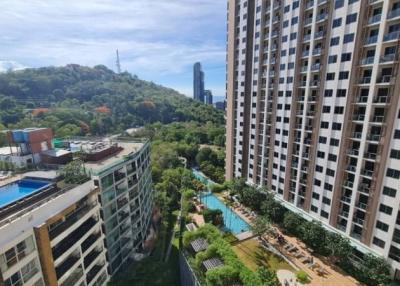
x=313, y=112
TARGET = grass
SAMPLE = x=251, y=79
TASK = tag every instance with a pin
x=253, y=255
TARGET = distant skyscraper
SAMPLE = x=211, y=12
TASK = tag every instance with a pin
x=208, y=97
x=198, y=82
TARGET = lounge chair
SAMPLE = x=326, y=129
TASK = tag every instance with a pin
x=298, y=254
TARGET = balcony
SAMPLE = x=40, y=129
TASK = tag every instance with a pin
x=322, y=17
x=352, y=152
x=385, y=79
x=387, y=58
x=358, y=117
x=304, y=69
x=88, y=260
x=308, y=21
x=90, y=241
x=378, y=119
x=374, y=137
x=394, y=13
x=316, y=67
x=73, y=218
x=391, y=36
x=358, y=220
x=319, y=34
x=314, y=83
x=306, y=38
x=362, y=99
x=344, y=214
x=66, y=265
x=365, y=80
x=356, y=135
x=309, y=4
x=367, y=61
x=317, y=51
x=73, y=278
x=93, y=272
x=364, y=188
x=371, y=40
x=361, y=205
x=73, y=237
x=374, y=19
x=382, y=99
x=346, y=199
x=351, y=168
x=370, y=156
x=367, y=173
x=348, y=184
x=306, y=53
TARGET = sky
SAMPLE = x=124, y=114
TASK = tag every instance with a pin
x=158, y=40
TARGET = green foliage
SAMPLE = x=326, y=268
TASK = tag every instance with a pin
x=292, y=223
x=73, y=92
x=302, y=276
x=272, y=209
x=7, y=166
x=233, y=270
x=213, y=216
x=261, y=226
x=74, y=172
x=268, y=277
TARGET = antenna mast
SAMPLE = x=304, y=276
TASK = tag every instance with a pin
x=118, y=63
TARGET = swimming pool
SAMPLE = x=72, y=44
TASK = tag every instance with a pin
x=232, y=221
x=20, y=189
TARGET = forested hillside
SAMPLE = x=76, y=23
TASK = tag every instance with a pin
x=77, y=100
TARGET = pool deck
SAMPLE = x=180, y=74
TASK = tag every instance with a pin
x=10, y=180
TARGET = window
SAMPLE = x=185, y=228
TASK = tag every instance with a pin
x=322, y=140
x=283, y=53
x=394, y=253
x=328, y=93
x=396, y=235
x=351, y=18
x=324, y=124
x=295, y=5
x=389, y=192
x=321, y=154
x=393, y=173
x=14, y=280
x=346, y=57
x=339, y=109
x=395, y=154
x=285, y=23
x=335, y=41
x=341, y=93
x=336, y=23
x=315, y=196
x=29, y=270
x=382, y=226
x=343, y=75
x=378, y=242
x=326, y=109
x=334, y=142
x=339, y=4
x=324, y=214
x=336, y=126
x=314, y=209
x=397, y=134
x=286, y=9
x=326, y=201
x=317, y=182
x=319, y=168
x=284, y=39
x=293, y=36
x=348, y=38
x=385, y=209
x=330, y=76
x=332, y=59
x=332, y=157
x=295, y=20
x=292, y=51
x=330, y=172
x=328, y=187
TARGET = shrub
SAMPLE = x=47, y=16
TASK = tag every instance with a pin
x=302, y=276
x=213, y=216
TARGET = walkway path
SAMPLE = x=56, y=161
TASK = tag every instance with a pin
x=289, y=276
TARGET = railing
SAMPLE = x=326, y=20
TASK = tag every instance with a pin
x=374, y=19
x=387, y=58
x=391, y=36
x=353, y=152
x=367, y=61
x=93, y=272
x=385, y=79
x=77, y=215
x=371, y=40
x=362, y=205
x=365, y=80
x=322, y=16
x=345, y=199
x=394, y=13
x=66, y=265
x=306, y=53
x=88, y=260
x=73, y=278
x=308, y=21
x=90, y=241
x=367, y=173
x=317, y=51
x=319, y=34
x=307, y=37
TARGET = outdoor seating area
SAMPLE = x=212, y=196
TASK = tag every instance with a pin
x=244, y=212
x=5, y=175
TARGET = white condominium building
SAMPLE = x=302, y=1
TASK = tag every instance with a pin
x=313, y=112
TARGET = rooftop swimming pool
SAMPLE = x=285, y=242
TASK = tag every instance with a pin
x=20, y=189
x=232, y=221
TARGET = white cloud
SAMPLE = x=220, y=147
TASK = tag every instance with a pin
x=10, y=66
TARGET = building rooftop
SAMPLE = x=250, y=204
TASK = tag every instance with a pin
x=101, y=154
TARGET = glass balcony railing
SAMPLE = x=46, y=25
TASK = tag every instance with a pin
x=387, y=58
x=374, y=19
x=394, y=13
x=371, y=40
x=391, y=36
x=367, y=61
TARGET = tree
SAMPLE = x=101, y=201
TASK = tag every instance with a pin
x=268, y=277
x=272, y=208
x=292, y=223
x=374, y=270
x=314, y=235
x=74, y=172
x=213, y=216
x=337, y=247
x=261, y=226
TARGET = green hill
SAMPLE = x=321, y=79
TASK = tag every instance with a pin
x=79, y=100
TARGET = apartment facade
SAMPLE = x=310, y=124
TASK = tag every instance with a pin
x=55, y=239
x=313, y=112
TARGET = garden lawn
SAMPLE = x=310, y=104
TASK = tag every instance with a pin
x=253, y=255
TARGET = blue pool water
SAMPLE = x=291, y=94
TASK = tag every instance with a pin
x=19, y=189
x=232, y=221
